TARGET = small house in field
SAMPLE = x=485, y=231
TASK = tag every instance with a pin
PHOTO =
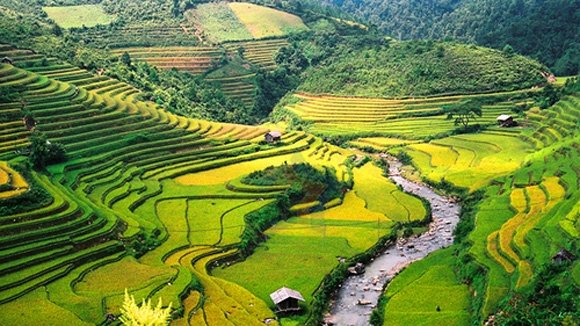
x=286, y=300
x=273, y=136
x=7, y=60
x=506, y=120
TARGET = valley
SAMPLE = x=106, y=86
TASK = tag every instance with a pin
x=208, y=154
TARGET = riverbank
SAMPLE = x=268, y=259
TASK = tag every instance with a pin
x=359, y=294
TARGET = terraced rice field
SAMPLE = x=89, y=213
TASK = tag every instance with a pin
x=196, y=60
x=261, y=53
x=529, y=211
x=306, y=247
x=470, y=161
x=239, y=21
x=473, y=160
x=238, y=83
x=163, y=35
x=518, y=229
x=237, y=80
x=434, y=279
x=379, y=143
x=407, y=118
x=12, y=183
x=96, y=193
x=154, y=202
x=133, y=173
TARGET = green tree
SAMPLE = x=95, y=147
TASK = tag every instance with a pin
x=56, y=30
x=126, y=59
x=464, y=112
x=9, y=93
x=548, y=97
x=43, y=152
x=508, y=50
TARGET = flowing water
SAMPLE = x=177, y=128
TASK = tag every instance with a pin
x=359, y=293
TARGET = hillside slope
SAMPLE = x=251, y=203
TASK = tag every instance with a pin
x=546, y=30
x=421, y=68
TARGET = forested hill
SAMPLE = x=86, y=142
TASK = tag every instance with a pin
x=546, y=30
x=416, y=68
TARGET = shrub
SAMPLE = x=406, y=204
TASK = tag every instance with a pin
x=43, y=152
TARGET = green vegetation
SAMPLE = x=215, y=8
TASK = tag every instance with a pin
x=78, y=16
x=42, y=152
x=551, y=300
x=463, y=113
x=306, y=183
x=428, y=292
x=469, y=160
x=341, y=118
x=263, y=22
x=418, y=68
x=112, y=177
x=219, y=22
x=239, y=21
x=527, y=26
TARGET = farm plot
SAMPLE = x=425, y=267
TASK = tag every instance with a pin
x=11, y=182
x=261, y=53
x=218, y=22
x=79, y=16
x=237, y=80
x=412, y=118
x=222, y=22
x=556, y=124
x=415, y=295
x=157, y=35
x=118, y=184
x=518, y=230
x=263, y=22
x=306, y=247
x=469, y=161
x=196, y=60
x=381, y=195
x=305, y=260
x=379, y=143
x=104, y=174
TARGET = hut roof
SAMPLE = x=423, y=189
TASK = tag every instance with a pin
x=285, y=293
x=275, y=134
x=504, y=117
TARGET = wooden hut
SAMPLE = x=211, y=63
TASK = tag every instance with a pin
x=273, y=136
x=7, y=60
x=506, y=120
x=286, y=300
